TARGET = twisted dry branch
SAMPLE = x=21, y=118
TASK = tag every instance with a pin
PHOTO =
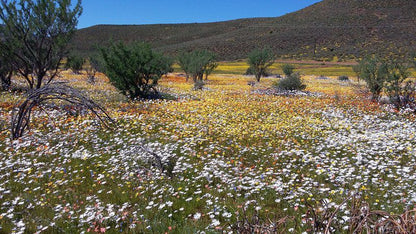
x=255, y=224
x=56, y=91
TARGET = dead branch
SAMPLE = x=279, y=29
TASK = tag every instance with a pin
x=53, y=92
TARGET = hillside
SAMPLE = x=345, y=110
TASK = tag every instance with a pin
x=343, y=29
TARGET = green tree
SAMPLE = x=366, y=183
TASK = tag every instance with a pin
x=374, y=72
x=75, y=63
x=37, y=33
x=135, y=69
x=197, y=63
x=288, y=69
x=210, y=67
x=184, y=61
x=260, y=60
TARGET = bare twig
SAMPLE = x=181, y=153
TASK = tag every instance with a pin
x=51, y=92
x=332, y=215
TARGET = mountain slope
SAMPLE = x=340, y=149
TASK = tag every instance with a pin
x=344, y=29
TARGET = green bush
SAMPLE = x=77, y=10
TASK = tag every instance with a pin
x=135, y=69
x=199, y=85
x=343, y=78
x=250, y=71
x=397, y=73
x=374, y=72
x=94, y=65
x=75, y=63
x=6, y=70
x=288, y=69
x=292, y=82
x=388, y=76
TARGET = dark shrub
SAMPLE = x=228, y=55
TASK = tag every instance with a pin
x=75, y=63
x=343, y=78
x=292, y=82
x=288, y=69
x=251, y=72
x=136, y=69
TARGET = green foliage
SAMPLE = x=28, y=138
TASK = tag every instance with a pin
x=197, y=63
x=37, y=33
x=199, y=85
x=357, y=70
x=259, y=60
x=135, y=69
x=413, y=59
x=290, y=83
x=6, y=70
x=390, y=76
x=397, y=73
x=75, y=63
x=94, y=65
x=343, y=78
x=250, y=71
x=374, y=72
x=288, y=69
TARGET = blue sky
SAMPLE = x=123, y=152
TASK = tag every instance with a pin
x=182, y=11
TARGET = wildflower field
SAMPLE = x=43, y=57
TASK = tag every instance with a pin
x=228, y=152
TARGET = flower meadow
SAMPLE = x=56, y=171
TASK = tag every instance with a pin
x=227, y=151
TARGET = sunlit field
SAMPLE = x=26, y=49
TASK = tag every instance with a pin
x=228, y=152
x=305, y=68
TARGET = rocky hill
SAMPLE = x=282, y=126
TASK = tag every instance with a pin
x=328, y=30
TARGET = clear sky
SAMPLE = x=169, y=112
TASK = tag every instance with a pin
x=182, y=11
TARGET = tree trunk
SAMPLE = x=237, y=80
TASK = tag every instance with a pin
x=258, y=76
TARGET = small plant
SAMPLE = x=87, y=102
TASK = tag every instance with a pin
x=75, y=63
x=397, y=73
x=94, y=65
x=290, y=83
x=322, y=77
x=288, y=69
x=199, y=85
x=251, y=72
x=6, y=70
x=343, y=78
x=337, y=97
x=374, y=72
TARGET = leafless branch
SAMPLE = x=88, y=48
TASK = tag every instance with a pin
x=55, y=91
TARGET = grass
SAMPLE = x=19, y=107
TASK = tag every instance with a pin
x=304, y=67
x=234, y=152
